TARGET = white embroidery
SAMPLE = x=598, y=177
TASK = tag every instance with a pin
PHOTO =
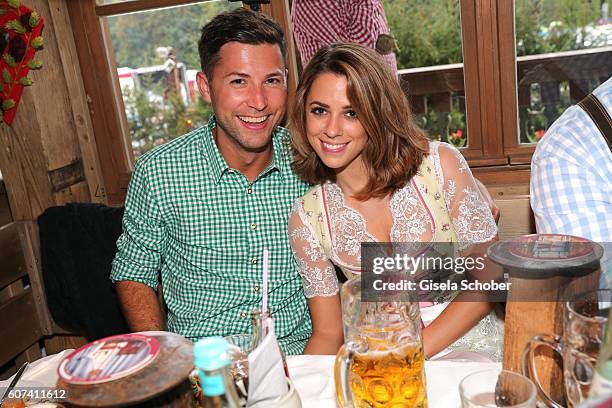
x=474, y=223
x=449, y=193
x=463, y=166
x=318, y=282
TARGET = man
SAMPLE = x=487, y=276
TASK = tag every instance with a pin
x=202, y=208
x=571, y=177
x=322, y=22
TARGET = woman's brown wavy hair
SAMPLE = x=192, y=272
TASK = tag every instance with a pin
x=395, y=147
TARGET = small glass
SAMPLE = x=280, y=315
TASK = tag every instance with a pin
x=497, y=388
x=239, y=348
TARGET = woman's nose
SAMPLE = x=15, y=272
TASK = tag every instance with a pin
x=334, y=127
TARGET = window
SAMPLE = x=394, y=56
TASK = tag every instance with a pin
x=430, y=60
x=563, y=52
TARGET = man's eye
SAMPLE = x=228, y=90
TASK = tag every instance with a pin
x=237, y=81
x=317, y=111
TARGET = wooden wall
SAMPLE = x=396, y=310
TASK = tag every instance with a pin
x=48, y=155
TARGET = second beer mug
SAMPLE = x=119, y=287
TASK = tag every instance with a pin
x=382, y=362
x=584, y=323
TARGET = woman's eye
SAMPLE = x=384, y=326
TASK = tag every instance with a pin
x=274, y=81
x=351, y=114
x=317, y=111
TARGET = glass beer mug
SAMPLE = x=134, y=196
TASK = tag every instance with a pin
x=381, y=363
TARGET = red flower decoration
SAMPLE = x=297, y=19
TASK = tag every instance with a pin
x=20, y=32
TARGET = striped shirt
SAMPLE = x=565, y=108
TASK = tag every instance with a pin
x=571, y=177
x=317, y=23
x=203, y=227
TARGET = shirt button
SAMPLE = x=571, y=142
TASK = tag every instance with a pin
x=256, y=288
x=249, y=191
x=242, y=314
x=254, y=261
x=253, y=226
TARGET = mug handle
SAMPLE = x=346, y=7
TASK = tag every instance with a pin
x=341, y=376
x=529, y=366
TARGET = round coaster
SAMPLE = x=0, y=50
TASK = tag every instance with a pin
x=165, y=374
x=108, y=359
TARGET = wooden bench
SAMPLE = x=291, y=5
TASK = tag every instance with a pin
x=24, y=318
x=516, y=217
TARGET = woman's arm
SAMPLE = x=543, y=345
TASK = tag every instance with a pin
x=320, y=285
x=326, y=314
x=456, y=320
x=476, y=231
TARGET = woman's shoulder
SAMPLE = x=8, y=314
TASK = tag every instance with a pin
x=309, y=201
x=442, y=149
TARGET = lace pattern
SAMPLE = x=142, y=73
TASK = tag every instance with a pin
x=317, y=272
x=486, y=338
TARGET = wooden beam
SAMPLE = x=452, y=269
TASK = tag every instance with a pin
x=66, y=176
x=136, y=6
x=28, y=233
x=78, y=101
x=23, y=161
x=98, y=83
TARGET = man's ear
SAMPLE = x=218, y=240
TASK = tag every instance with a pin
x=203, y=86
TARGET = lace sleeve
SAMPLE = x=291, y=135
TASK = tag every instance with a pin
x=469, y=212
x=317, y=272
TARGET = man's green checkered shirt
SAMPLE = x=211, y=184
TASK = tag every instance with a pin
x=204, y=226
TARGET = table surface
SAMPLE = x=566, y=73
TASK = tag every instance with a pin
x=313, y=377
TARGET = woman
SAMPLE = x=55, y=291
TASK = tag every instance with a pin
x=355, y=140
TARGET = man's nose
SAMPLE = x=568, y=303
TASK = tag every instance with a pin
x=258, y=98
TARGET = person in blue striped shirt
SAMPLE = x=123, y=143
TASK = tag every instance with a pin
x=571, y=179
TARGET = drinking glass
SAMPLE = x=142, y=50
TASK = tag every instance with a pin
x=585, y=320
x=381, y=363
x=497, y=388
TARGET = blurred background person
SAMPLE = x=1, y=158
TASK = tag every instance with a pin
x=317, y=23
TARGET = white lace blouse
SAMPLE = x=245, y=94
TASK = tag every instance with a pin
x=412, y=222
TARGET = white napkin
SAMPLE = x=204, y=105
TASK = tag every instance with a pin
x=267, y=380
x=313, y=378
x=40, y=373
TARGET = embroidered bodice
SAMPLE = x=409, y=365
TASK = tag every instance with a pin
x=413, y=219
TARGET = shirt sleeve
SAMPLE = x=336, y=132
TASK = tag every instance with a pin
x=317, y=271
x=470, y=213
x=141, y=244
x=570, y=193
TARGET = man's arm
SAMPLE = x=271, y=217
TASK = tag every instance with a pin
x=135, y=269
x=140, y=306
